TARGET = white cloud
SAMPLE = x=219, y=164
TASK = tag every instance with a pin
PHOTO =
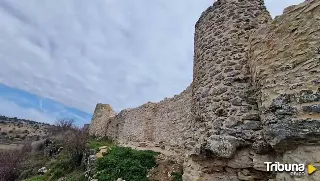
x=9, y=108
x=276, y=6
x=81, y=52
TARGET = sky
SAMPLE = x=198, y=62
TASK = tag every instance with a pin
x=60, y=58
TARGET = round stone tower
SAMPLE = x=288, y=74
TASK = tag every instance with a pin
x=99, y=122
x=223, y=97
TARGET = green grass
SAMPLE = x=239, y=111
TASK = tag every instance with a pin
x=126, y=163
x=77, y=175
x=177, y=176
x=38, y=178
x=96, y=144
x=60, y=166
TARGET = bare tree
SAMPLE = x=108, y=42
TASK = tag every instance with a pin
x=64, y=124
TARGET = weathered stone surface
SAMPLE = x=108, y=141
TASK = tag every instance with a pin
x=284, y=63
x=255, y=95
x=103, y=150
x=223, y=30
x=304, y=155
x=166, y=124
x=242, y=159
x=258, y=161
x=101, y=120
x=224, y=146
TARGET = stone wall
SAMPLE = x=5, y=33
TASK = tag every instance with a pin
x=255, y=97
x=164, y=124
x=223, y=98
x=101, y=119
x=284, y=61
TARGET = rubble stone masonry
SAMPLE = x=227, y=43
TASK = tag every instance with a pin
x=255, y=97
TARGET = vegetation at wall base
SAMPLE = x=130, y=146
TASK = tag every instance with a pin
x=126, y=163
x=66, y=153
x=96, y=143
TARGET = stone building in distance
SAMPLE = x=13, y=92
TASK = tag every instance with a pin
x=255, y=97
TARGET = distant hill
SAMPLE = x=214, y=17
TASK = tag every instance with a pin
x=15, y=131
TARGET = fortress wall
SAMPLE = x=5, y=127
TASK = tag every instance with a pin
x=101, y=119
x=255, y=97
x=162, y=124
x=135, y=123
x=173, y=122
x=165, y=124
x=223, y=96
x=285, y=66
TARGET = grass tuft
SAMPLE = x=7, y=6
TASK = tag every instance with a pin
x=126, y=163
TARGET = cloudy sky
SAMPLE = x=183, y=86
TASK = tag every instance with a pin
x=58, y=58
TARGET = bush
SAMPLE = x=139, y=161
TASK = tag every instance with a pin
x=126, y=163
x=10, y=162
x=76, y=145
x=68, y=144
x=8, y=165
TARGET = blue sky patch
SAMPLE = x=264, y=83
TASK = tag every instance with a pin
x=61, y=58
x=36, y=108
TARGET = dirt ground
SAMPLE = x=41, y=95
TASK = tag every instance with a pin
x=10, y=146
x=166, y=169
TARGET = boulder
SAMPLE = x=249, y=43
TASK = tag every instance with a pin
x=224, y=146
x=43, y=170
x=103, y=151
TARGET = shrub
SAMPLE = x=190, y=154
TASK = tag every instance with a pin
x=126, y=163
x=8, y=165
x=75, y=145
x=10, y=162
x=70, y=159
x=60, y=167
